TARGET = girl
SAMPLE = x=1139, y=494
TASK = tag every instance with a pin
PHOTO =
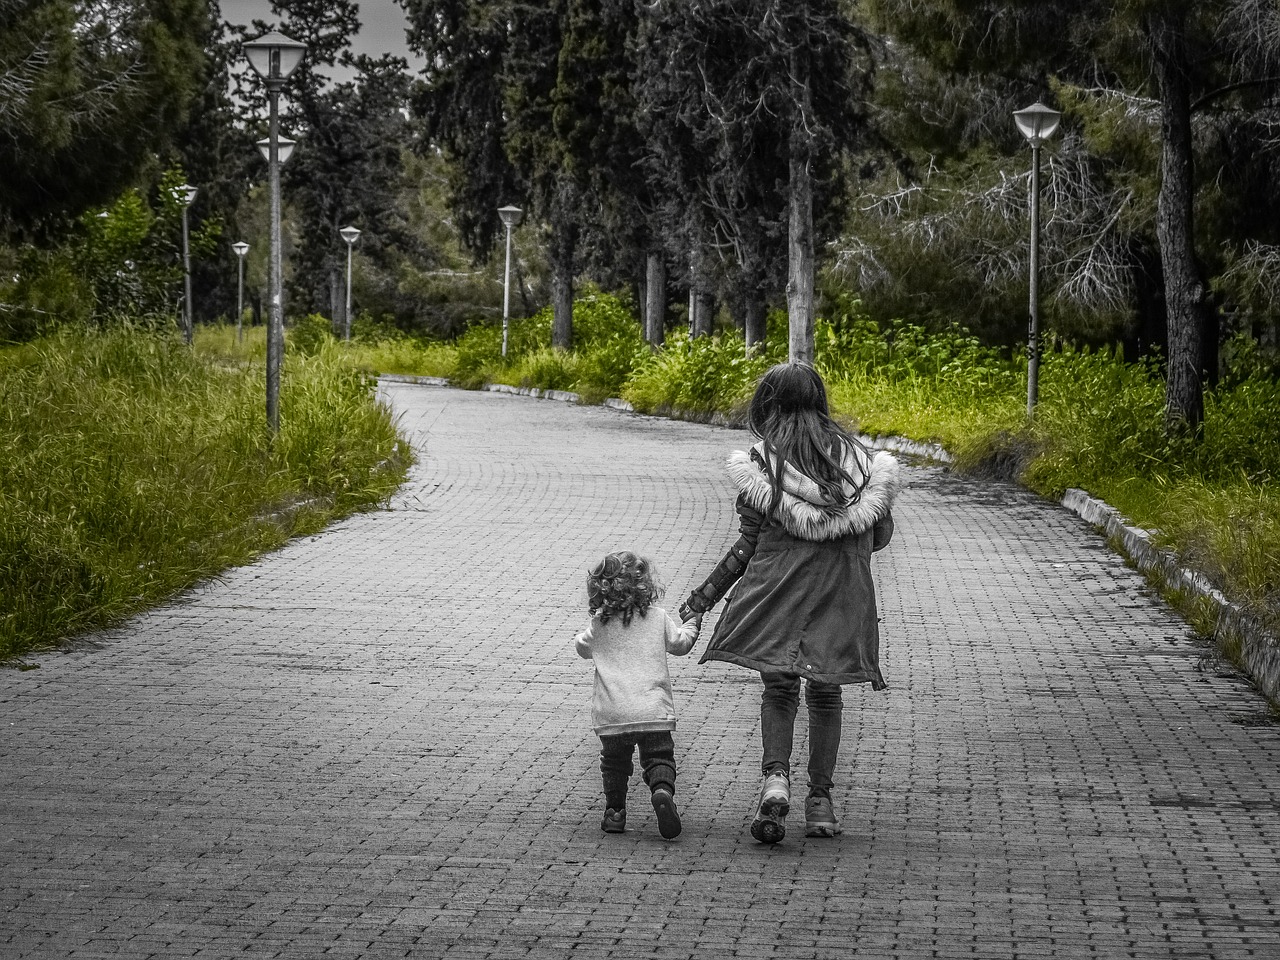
x=629, y=639
x=813, y=505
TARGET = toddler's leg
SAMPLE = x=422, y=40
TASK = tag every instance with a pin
x=615, y=770
x=658, y=760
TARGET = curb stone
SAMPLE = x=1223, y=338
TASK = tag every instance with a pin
x=1259, y=650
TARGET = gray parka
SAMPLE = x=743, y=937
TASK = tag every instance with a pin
x=805, y=603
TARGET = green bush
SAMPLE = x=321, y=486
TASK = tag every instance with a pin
x=703, y=375
x=310, y=334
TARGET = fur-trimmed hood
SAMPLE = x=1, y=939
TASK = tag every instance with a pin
x=803, y=511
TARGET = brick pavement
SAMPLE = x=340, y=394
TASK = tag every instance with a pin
x=374, y=742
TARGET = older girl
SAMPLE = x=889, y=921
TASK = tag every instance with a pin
x=813, y=505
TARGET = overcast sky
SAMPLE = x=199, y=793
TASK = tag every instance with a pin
x=382, y=26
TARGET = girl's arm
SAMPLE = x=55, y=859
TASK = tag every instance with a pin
x=728, y=570
x=882, y=532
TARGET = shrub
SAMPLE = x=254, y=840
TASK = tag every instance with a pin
x=311, y=334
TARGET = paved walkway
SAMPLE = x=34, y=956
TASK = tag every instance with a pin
x=374, y=743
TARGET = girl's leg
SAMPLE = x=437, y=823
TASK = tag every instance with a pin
x=616, y=768
x=825, y=715
x=778, y=706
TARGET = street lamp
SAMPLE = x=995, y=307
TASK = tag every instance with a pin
x=285, y=148
x=511, y=217
x=241, y=248
x=351, y=235
x=185, y=194
x=1037, y=123
x=273, y=57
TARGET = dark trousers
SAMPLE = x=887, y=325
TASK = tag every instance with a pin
x=657, y=760
x=778, y=706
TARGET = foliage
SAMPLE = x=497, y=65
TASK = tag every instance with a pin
x=136, y=467
x=702, y=375
x=89, y=93
x=120, y=265
x=311, y=334
x=609, y=344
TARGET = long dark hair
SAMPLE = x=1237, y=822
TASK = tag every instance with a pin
x=789, y=412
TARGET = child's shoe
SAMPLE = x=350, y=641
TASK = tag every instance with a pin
x=770, y=824
x=664, y=805
x=819, y=817
x=615, y=821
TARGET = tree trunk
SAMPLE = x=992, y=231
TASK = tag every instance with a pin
x=1186, y=302
x=751, y=284
x=564, y=241
x=800, y=262
x=800, y=223
x=756, y=316
x=562, y=291
x=655, y=286
x=700, y=297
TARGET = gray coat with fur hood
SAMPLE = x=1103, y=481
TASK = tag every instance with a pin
x=806, y=604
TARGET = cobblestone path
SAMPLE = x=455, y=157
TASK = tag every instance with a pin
x=375, y=742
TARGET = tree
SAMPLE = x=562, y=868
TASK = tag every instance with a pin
x=347, y=168
x=526, y=101
x=89, y=93
x=1169, y=60
x=742, y=96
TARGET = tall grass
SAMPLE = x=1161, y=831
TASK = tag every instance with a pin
x=135, y=467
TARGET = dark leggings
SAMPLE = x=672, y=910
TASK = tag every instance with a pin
x=778, y=706
x=657, y=760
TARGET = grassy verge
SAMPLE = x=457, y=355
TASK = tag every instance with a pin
x=136, y=467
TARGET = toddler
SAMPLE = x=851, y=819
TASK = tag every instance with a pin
x=629, y=639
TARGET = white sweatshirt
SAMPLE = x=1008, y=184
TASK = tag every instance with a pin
x=633, y=687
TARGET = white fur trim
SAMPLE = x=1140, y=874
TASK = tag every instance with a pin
x=807, y=521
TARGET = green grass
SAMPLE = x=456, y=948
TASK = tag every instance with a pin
x=136, y=467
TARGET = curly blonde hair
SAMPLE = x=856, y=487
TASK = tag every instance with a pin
x=622, y=584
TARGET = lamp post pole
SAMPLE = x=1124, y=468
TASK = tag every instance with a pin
x=511, y=217
x=1037, y=123
x=241, y=248
x=274, y=56
x=351, y=235
x=186, y=195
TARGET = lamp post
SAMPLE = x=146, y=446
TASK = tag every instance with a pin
x=185, y=194
x=511, y=217
x=351, y=235
x=1037, y=123
x=241, y=248
x=273, y=57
